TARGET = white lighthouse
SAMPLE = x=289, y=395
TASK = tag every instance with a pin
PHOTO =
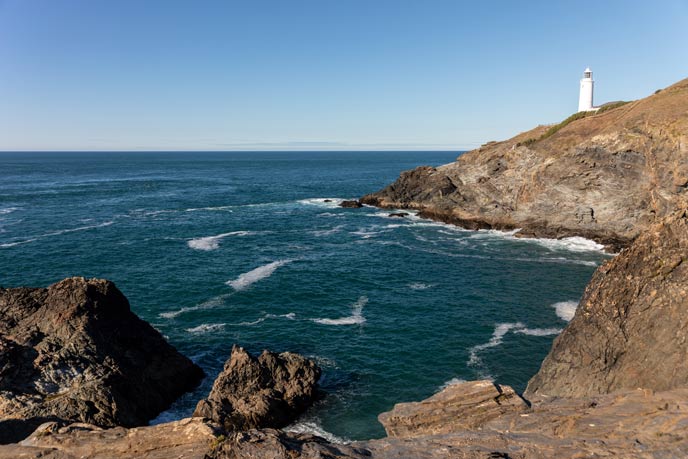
x=586, y=87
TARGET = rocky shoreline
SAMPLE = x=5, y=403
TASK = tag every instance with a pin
x=606, y=177
x=81, y=375
x=614, y=384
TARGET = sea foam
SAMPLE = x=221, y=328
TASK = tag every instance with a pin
x=356, y=317
x=245, y=280
x=56, y=233
x=314, y=429
x=213, y=242
x=209, y=304
x=565, y=310
x=496, y=339
x=205, y=328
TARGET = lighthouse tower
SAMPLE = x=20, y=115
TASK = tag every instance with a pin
x=586, y=87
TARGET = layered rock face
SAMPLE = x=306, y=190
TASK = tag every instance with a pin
x=75, y=352
x=458, y=407
x=607, y=176
x=631, y=328
x=190, y=438
x=268, y=391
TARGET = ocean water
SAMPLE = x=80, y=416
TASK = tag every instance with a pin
x=216, y=249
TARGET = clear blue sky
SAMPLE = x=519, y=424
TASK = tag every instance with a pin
x=318, y=74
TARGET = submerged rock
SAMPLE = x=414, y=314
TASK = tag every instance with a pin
x=75, y=352
x=398, y=214
x=351, y=204
x=268, y=391
x=631, y=328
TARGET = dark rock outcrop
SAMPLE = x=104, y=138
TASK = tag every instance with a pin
x=631, y=328
x=351, y=204
x=74, y=352
x=606, y=177
x=268, y=391
x=398, y=214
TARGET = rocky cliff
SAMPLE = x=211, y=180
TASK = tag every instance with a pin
x=631, y=327
x=606, y=176
x=74, y=352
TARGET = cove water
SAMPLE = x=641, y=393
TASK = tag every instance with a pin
x=215, y=249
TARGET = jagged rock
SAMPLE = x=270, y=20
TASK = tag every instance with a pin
x=275, y=444
x=190, y=438
x=460, y=406
x=75, y=352
x=350, y=204
x=606, y=177
x=268, y=391
x=631, y=328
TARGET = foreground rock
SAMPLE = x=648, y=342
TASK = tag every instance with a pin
x=631, y=328
x=189, y=439
x=607, y=176
x=75, y=352
x=458, y=407
x=269, y=391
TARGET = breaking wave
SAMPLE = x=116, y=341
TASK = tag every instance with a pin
x=245, y=280
x=565, y=310
x=356, y=317
x=420, y=286
x=314, y=429
x=500, y=331
x=209, y=304
x=213, y=242
x=56, y=233
x=205, y=328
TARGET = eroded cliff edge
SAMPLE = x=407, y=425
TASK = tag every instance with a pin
x=606, y=176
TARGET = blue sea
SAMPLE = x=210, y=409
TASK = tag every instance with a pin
x=251, y=248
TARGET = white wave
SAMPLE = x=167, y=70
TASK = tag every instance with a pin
x=539, y=331
x=565, y=310
x=205, y=328
x=213, y=242
x=314, y=429
x=56, y=233
x=12, y=244
x=367, y=233
x=8, y=210
x=322, y=202
x=289, y=315
x=356, y=317
x=209, y=304
x=246, y=279
x=198, y=209
x=327, y=232
x=330, y=214
x=572, y=244
x=451, y=382
x=497, y=336
x=252, y=322
x=420, y=286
